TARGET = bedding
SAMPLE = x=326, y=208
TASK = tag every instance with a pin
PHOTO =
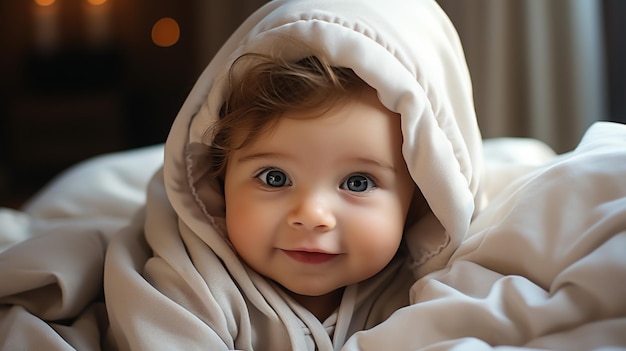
x=557, y=283
x=52, y=251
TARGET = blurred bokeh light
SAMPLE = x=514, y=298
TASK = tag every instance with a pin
x=44, y=2
x=165, y=32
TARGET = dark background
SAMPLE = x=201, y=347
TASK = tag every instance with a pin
x=89, y=91
x=86, y=92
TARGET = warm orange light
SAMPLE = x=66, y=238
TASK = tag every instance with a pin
x=44, y=2
x=165, y=32
x=96, y=2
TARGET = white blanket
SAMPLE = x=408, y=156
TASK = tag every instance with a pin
x=52, y=252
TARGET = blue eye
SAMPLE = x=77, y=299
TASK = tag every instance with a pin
x=274, y=178
x=358, y=183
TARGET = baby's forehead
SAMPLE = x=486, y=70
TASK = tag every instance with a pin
x=359, y=116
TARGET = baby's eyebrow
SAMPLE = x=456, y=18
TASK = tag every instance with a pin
x=261, y=155
x=374, y=162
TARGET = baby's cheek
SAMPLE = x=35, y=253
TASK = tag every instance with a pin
x=248, y=219
x=381, y=236
x=238, y=222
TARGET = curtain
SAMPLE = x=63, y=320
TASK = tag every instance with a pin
x=538, y=66
x=216, y=21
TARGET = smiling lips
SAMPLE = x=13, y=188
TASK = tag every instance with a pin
x=310, y=257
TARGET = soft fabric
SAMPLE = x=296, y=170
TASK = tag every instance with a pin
x=521, y=252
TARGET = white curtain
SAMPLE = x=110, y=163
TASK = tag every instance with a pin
x=537, y=66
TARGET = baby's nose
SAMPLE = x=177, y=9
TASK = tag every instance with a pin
x=312, y=212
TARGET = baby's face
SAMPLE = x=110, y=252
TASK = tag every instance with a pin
x=320, y=203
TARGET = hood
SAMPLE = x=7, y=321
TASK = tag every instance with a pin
x=409, y=52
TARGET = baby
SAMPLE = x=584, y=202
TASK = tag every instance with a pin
x=315, y=186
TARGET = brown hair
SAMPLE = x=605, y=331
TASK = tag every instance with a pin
x=263, y=88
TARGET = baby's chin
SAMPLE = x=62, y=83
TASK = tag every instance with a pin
x=309, y=290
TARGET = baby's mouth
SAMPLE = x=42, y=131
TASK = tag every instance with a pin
x=310, y=257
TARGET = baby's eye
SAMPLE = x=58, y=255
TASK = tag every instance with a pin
x=274, y=178
x=358, y=183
